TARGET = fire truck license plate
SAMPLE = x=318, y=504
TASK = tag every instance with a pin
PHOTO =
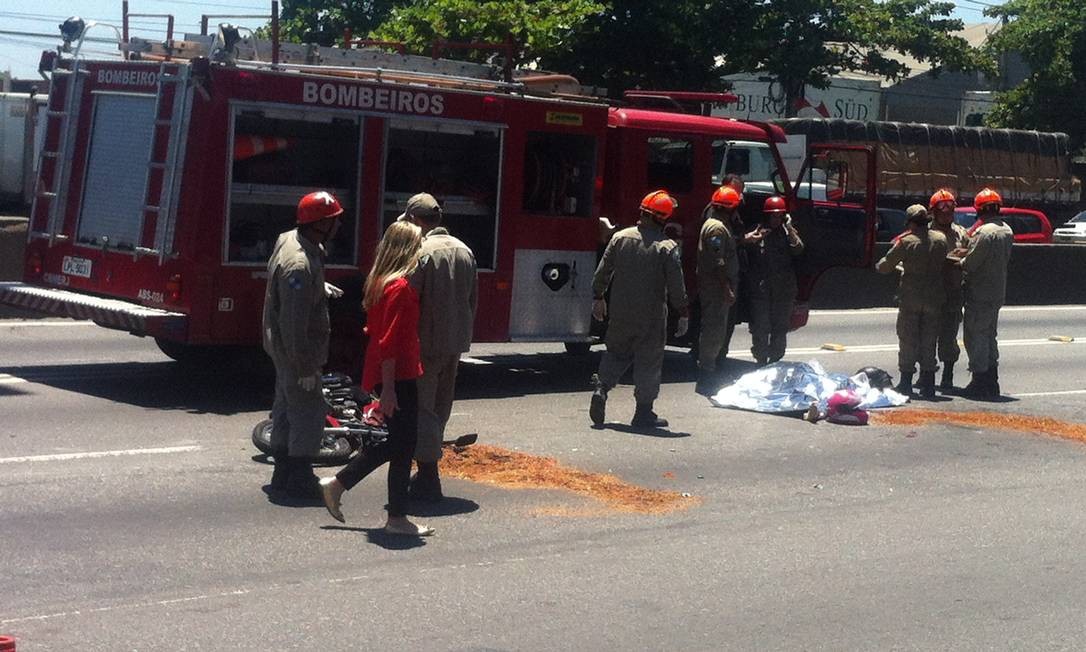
x=77, y=266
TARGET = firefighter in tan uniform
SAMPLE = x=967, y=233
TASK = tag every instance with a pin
x=718, y=280
x=771, y=280
x=642, y=266
x=985, y=265
x=448, y=294
x=296, y=330
x=942, y=205
x=920, y=254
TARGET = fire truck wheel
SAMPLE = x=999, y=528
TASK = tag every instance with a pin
x=188, y=353
x=578, y=348
x=334, y=450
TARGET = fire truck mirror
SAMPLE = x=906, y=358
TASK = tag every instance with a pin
x=555, y=275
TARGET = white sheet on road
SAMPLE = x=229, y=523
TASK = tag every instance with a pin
x=785, y=387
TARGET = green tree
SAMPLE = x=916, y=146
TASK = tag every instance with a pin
x=801, y=42
x=678, y=44
x=536, y=27
x=656, y=45
x=1050, y=35
x=323, y=21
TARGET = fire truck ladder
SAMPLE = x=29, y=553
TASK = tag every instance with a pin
x=64, y=89
x=162, y=161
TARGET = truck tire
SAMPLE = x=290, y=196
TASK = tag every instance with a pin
x=188, y=353
x=578, y=348
x=333, y=450
x=215, y=357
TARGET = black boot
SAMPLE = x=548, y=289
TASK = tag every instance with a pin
x=597, y=409
x=946, y=383
x=906, y=385
x=644, y=417
x=426, y=483
x=926, y=385
x=707, y=383
x=980, y=386
x=302, y=483
x=280, y=472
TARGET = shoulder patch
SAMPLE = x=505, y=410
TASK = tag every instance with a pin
x=715, y=242
x=295, y=282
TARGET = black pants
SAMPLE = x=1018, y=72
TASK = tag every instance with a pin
x=398, y=449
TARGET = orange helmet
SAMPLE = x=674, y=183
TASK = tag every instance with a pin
x=317, y=206
x=659, y=203
x=941, y=195
x=725, y=197
x=775, y=204
x=985, y=197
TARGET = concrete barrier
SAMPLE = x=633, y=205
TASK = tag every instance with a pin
x=1038, y=275
x=12, y=244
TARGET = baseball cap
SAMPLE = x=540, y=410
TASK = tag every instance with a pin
x=422, y=205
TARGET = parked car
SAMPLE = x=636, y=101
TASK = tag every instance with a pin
x=1029, y=226
x=891, y=223
x=1073, y=231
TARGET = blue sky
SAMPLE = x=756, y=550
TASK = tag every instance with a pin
x=20, y=47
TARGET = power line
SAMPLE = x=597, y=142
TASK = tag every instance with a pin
x=215, y=5
x=54, y=21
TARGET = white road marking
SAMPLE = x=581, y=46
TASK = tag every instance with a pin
x=1065, y=392
x=863, y=312
x=10, y=323
x=157, y=603
x=60, y=457
x=882, y=348
x=266, y=589
x=8, y=379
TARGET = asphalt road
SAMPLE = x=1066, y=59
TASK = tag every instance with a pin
x=132, y=516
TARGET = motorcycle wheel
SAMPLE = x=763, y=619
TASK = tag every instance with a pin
x=333, y=450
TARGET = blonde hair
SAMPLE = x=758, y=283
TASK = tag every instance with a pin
x=397, y=256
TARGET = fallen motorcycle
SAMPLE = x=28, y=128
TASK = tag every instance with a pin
x=351, y=424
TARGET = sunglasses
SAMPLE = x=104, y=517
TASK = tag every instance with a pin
x=945, y=205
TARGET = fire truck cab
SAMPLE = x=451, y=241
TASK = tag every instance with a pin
x=166, y=176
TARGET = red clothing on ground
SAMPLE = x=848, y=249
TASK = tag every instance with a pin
x=393, y=328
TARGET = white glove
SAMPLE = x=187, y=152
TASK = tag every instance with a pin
x=308, y=383
x=682, y=326
x=599, y=309
x=331, y=291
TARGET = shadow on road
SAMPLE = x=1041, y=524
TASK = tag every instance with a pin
x=378, y=537
x=158, y=385
x=237, y=386
x=509, y=375
x=644, y=432
x=448, y=506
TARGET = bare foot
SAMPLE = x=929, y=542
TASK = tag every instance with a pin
x=400, y=525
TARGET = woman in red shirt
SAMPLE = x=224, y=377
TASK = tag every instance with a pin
x=391, y=367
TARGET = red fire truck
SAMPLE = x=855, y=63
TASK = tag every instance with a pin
x=168, y=172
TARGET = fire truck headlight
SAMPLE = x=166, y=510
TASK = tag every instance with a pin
x=72, y=29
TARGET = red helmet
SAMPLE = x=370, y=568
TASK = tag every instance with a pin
x=775, y=204
x=659, y=203
x=726, y=197
x=941, y=195
x=985, y=197
x=317, y=206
